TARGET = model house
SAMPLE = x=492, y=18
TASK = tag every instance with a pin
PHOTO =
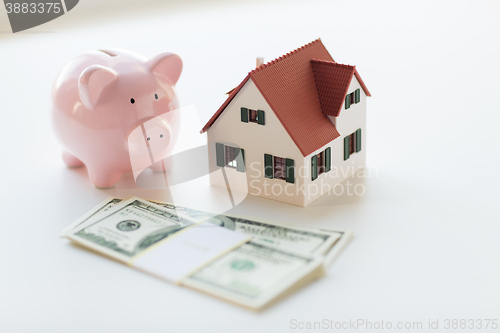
x=292, y=129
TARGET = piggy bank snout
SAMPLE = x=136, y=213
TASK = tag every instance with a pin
x=158, y=136
x=149, y=142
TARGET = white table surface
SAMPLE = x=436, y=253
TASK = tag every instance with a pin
x=427, y=229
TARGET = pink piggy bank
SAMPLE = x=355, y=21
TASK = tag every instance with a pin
x=113, y=112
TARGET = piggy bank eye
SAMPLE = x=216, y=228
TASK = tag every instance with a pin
x=132, y=100
x=156, y=96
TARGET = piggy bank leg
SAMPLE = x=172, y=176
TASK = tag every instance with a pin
x=71, y=160
x=158, y=167
x=103, y=178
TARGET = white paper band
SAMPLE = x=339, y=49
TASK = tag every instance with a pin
x=185, y=253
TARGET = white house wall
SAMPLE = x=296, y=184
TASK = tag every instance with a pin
x=355, y=117
x=346, y=123
x=256, y=140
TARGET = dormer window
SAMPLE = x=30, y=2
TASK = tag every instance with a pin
x=253, y=116
x=352, y=98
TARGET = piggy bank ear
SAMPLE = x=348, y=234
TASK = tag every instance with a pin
x=168, y=65
x=92, y=82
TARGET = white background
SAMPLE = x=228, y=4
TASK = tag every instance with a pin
x=427, y=229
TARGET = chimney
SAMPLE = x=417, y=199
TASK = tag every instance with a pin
x=260, y=61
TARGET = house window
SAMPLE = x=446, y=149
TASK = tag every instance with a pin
x=352, y=144
x=231, y=157
x=352, y=141
x=253, y=116
x=352, y=98
x=321, y=163
x=228, y=156
x=279, y=168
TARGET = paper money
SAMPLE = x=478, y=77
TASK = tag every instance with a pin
x=291, y=239
x=277, y=258
x=101, y=207
x=332, y=253
x=253, y=275
x=298, y=240
x=109, y=232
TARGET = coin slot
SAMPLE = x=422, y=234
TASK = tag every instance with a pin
x=108, y=53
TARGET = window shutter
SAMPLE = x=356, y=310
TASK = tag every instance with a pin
x=261, y=117
x=219, y=152
x=346, y=148
x=358, y=95
x=348, y=101
x=328, y=159
x=290, y=171
x=244, y=115
x=268, y=166
x=240, y=161
x=358, y=140
x=314, y=167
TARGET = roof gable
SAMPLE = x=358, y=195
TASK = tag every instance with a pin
x=231, y=93
x=332, y=83
x=288, y=86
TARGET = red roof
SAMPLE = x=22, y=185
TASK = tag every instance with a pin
x=332, y=82
x=288, y=85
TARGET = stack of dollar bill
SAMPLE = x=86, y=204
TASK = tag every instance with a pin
x=276, y=259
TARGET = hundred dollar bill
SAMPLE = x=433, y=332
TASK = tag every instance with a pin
x=292, y=239
x=101, y=207
x=308, y=241
x=110, y=232
x=254, y=275
x=327, y=242
x=332, y=253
